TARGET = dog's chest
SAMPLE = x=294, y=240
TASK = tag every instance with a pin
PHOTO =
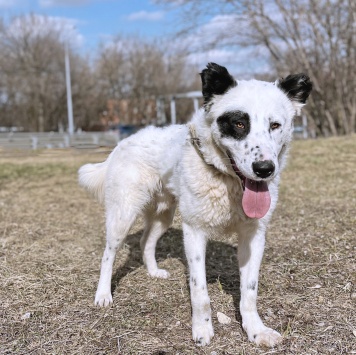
x=210, y=198
x=222, y=202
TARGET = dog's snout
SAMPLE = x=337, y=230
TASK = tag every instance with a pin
x=263, y=169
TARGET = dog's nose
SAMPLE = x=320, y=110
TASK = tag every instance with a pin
x=263, y=169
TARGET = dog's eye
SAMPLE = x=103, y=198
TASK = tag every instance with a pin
x=275, y=125
x=240, y=125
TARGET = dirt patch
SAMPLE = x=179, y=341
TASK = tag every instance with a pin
x=52, y=239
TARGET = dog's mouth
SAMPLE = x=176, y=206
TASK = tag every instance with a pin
x=256, y=198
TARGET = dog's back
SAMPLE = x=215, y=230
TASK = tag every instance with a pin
x=144, y=158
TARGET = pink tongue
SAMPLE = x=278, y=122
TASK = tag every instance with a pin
x=256, y=199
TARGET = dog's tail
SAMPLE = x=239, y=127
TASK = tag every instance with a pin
x=92, y=177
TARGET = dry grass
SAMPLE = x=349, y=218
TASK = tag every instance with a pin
x=52, y=238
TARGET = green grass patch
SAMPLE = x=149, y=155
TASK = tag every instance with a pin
x=10, y=171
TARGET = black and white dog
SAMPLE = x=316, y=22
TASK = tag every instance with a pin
x=222, y=170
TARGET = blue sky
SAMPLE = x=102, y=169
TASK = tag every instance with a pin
x=96, y=20
x=89, y=22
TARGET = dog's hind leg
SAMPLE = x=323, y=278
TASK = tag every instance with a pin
x=117, y=228
x=250, y=252
x=156, y=225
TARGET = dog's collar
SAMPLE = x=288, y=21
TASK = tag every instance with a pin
x=195, y=141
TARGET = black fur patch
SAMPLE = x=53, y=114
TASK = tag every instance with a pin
x=216, y=80
x=228, y=124
x=297, y=87
x=251, y=286
x=194, y=281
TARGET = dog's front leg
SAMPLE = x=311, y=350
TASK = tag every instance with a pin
x=195, y=246
x=250, y=252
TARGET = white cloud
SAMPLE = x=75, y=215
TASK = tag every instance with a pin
x=220, y=56
x=8, y=3
x=146, y=16
x=51, y=3
x=37, y=24
x=243, y=63
x=220, y=30
x=216, y=41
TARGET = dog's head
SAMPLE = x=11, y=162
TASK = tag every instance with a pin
x=252, y=121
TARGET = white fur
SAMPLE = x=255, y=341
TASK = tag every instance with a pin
x=150, y=172
x=92, y=176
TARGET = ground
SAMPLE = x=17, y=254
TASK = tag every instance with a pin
x=52, y=239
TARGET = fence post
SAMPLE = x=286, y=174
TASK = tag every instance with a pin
x=34, y=142
x=173, y=111
x=196, y=104
x=305, y=126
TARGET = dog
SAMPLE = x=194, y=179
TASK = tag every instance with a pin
x=222, y=170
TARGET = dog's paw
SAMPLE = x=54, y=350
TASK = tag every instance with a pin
x=202, y=334
x=159, y=273
x=267, y=337
x=103, y=299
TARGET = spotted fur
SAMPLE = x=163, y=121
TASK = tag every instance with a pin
x=243, y=126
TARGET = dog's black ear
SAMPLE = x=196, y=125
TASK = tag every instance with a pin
x=297, y=87
x=216, y=80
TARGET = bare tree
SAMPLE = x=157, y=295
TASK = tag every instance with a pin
x=30, y=64
x=315, y=36
x=32, y=77
x=139, y=70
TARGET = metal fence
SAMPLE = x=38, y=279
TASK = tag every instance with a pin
x=35, y=140
x=55, y=140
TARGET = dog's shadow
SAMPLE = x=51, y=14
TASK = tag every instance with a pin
x=221, y=261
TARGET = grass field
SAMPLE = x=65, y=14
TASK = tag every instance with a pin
x=52, y=239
